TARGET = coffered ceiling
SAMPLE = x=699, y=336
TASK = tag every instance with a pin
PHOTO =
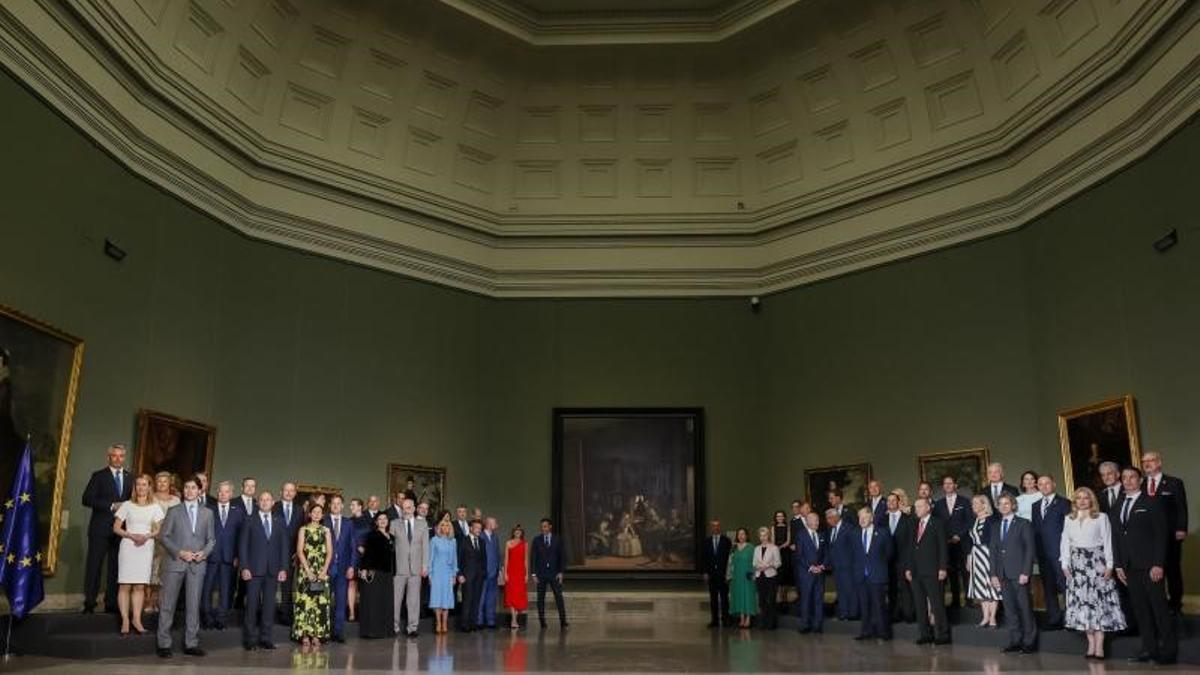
x=423, y=139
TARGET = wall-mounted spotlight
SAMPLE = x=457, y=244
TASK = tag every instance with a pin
x=113, y=251
x=1167, y=241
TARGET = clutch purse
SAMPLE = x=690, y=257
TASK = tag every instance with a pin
x=316, y=586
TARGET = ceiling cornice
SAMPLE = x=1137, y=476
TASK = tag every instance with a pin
x=1152, y=93
x=559, y=29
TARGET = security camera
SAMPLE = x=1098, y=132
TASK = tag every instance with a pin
x=755, y=303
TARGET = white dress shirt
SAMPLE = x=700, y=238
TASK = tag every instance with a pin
x=1086, y=533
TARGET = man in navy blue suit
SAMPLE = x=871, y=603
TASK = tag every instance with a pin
x=872, y=553
x=714, y=560
x=1049, y=515
x=105, y=491
x=345, y=561
x=810, y=561
x=954, y=511
x=548, y=560
x=842, y=535
x=491, y=575
x=220, y=574
x=264, y=556
x=877, y=502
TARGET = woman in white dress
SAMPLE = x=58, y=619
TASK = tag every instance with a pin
x=1087, y=561
x=166, y=496
x=1029, y=495
x=136, y=523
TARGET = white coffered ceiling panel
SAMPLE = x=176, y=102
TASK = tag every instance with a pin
x=415, y=137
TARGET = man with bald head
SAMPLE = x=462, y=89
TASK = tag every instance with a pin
x=1171, y=494
x=292, y=516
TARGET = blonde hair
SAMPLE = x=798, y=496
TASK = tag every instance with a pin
x=1093, y=510
x=987, y=504
x=149, y=490
x=445, y=525
x=762, y=532
x=902, y=497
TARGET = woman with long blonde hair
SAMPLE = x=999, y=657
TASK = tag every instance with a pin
x=1086, y=556
x=166, y=495
x=136, y=523
x=979, y=560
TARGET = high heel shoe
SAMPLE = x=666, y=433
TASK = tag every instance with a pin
x=140, y=630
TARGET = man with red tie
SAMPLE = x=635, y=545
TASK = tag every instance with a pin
x=926, y=569
x=1169, y=491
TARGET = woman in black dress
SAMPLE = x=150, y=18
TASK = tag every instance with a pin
x=375, y=571
x=781, y=536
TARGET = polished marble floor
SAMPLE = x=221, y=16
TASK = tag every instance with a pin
x=599, y=647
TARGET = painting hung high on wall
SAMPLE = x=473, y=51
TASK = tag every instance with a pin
x=627, y=488
x=1093, y=434
x=851, y=479
x=322, y=493
x=418, y=483
x=179, y=446
x=969, y=468
x=39, y=379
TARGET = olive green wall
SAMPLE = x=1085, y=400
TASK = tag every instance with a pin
x=322, y=371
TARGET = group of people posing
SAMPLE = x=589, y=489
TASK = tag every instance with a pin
x=1114, y=556
x=316, y=565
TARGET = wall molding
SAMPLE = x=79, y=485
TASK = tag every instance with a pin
x=1116, y=116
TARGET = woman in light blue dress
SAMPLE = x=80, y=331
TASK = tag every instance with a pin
x=443, y=565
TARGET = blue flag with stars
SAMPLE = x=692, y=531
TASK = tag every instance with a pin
x=21, y=564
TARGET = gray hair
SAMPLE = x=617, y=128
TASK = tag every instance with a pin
x=833, y=512
x=225, y=483
x=1111, y=465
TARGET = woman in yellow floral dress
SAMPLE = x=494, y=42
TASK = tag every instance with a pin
x=314, y=553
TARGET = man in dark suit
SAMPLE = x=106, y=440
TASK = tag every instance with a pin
x=996, y=485
x=1112, y=493
x=292, y=516
x=900, y=527
x=105, y=491
x=1140, y=542
x=547, y=561
x=265, y=557
x=490, y=589
x=247, y=503
x=220, y=574
x=1049, y=515
x=955, y=511
x=871, y=551
x=810, y=560
x=837, y=503
x=206, y=499
x=926, y=570
x=714, y=559
x=462, y=523
x=395, y=511
x=345, y=560
x=877, y=502
x=1170, y=491
x=1012, y=551
x=842, y=536
x=472, y=568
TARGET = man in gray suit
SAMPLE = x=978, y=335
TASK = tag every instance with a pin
x=1012, y=553
x=411, y=535
x=187, y=535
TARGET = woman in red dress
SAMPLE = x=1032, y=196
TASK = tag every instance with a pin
x=515, y=575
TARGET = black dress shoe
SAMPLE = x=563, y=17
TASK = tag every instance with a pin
x=163, y=653
x=564, y=624
x=1143, y=657
x=713, y=624
x=924, y=641
x=412, y=634
x=863, y=637
x=193, y=651
x=1166, y=660
x=805, y=631
x=249, y=646
x=89, y=610
x=942, y=641
x=339, y=639
x=1028, y=650
x=266, y=645
x=220, y=625
x=1011, y=649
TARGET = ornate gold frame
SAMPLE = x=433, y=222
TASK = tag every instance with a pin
x=328, y=490
x=394, y=468
x=50, y=564
x=144, y=416
x=1125, y=402
x=982, y=453
x=837, y=467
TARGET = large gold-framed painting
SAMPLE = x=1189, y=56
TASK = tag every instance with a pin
x=969, y=468
x=1093, y=434
x=851, y=479
x=307, y=491
x=419, y=483
x=39, y=382
x=169, y=443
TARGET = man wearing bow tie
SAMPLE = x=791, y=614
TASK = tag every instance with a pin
x=105, y=491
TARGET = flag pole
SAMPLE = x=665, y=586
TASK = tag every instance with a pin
x=8, y=637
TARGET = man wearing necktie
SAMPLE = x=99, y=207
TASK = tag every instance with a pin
x=410, y=537
x=714, y=560
x=842, y=535
x=1171, y=493
x=490, y=588
x=345, y=561
x=1049, y=516
x=292, y=518
x=872, y=551
x=996, y=485
x=955, y=513
x=220, y=574
x=926, y=569
x=547, y=562
x=104, y=494
x=1012, y=552
x=187, y=536
x=810, y=562
x=472, y=563
x=1140, y=540
x=264, y=558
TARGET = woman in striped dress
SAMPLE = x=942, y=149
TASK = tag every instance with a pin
x=979, y=561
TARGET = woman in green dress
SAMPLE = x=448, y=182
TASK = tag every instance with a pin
x=742, y=601
x=314, y=553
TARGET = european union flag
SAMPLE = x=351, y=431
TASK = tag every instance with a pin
x=21, y=564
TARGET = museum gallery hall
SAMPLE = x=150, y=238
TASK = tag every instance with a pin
x=848, y=336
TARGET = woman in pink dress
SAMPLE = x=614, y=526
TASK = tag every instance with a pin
x=514, y=575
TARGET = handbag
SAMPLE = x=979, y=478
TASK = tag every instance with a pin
x=316, y=586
